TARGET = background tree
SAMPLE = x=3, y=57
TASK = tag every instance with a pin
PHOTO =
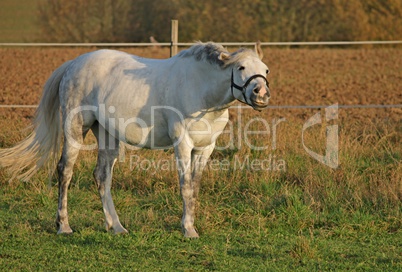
x=220, y=20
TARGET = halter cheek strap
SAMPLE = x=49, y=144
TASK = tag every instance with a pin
x=244, y=87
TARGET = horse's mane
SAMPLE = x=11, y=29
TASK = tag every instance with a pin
x=210, y=52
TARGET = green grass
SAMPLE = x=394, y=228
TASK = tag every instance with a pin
x=264, y=226
x=307, y=218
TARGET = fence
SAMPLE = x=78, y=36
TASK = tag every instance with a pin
x=174, y=44
x=183, y=44
x=367, y=106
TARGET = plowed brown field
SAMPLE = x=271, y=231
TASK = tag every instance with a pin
x=298, y=76
x=276, y=206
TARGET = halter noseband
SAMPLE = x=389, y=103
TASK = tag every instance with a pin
x=244, y=87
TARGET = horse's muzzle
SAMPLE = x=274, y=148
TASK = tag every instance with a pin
x=260, y=97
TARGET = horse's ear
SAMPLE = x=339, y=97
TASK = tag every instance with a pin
x=258, y=50
x=224, y=56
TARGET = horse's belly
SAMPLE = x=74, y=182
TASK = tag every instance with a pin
x=147, y=137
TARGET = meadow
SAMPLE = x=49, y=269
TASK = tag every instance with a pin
x=262, y=209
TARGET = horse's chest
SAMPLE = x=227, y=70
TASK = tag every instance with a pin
x=205, y=131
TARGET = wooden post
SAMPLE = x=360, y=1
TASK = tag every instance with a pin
x=174, y=38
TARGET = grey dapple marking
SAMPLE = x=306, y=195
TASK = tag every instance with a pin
x=181, y=102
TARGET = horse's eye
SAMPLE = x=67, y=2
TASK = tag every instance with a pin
x=241, y=68
x=267, y=71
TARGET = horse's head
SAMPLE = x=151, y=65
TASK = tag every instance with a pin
x=248, y=77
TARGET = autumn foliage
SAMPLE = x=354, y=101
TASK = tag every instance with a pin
x=224, y=20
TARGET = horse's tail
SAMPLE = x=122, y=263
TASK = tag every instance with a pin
x=43, y=144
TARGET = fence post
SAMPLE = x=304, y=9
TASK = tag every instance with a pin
x=174, y=37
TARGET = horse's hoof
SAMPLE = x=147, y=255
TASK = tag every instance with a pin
x=191, y=233
x=120, y=230
x=65, y=230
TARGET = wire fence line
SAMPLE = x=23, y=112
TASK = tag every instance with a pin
x=356, y=106
x=327, y=43
x=17, y=106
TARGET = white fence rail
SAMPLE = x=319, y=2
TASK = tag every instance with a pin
x=174, y=44
x=327, y=43
x=357, y=106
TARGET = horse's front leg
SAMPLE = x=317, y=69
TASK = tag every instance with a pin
x=187, y=189
x=190, y=163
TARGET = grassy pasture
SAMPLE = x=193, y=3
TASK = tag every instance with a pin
x=274, y=209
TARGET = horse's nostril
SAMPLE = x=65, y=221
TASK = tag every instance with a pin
x=256, y=90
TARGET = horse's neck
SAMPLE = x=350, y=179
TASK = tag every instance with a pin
x=213, y=86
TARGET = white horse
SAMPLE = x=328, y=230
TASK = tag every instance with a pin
x=180, y=102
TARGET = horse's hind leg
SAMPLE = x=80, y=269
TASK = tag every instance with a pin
x=71, y=148
x=107, y=156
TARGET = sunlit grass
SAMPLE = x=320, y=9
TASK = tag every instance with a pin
x=271, y=209
x=306, y=216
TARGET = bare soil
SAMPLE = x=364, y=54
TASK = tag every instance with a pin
x=298, y=76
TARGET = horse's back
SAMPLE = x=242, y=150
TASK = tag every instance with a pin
x=100, y=65
x=119, y=91
x=106, y=76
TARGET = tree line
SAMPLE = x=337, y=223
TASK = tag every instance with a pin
x=219, y=20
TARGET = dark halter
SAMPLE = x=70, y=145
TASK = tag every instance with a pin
x=244, y=87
